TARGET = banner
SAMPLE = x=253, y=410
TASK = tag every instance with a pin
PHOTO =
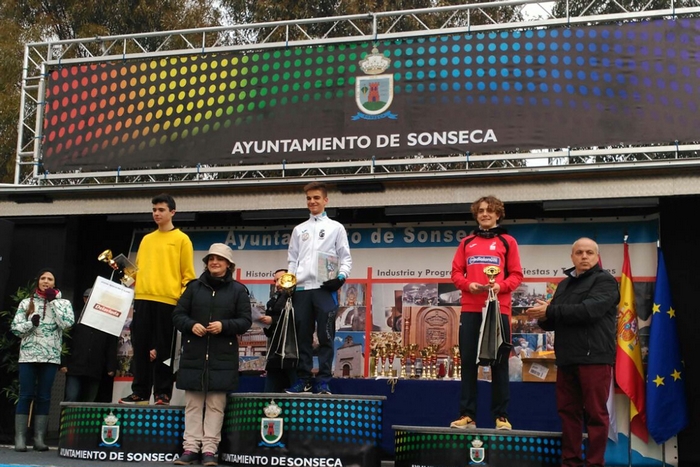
x=629, y=372
x=400, y=288
x=609, y=84
x=667, y=411
x=108, y=306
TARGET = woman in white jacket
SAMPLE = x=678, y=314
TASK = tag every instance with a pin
x=39, y=321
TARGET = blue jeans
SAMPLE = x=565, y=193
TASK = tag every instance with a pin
x=35, y=383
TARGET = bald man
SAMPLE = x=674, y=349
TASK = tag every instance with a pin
x=583, y=314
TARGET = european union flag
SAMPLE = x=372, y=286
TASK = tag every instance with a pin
x=667, y=413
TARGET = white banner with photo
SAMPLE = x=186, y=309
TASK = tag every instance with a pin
x=108, y=306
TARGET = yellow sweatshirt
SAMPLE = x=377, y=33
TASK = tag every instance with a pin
x=166, y=264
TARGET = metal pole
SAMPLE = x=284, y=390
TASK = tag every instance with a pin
x=629, y=433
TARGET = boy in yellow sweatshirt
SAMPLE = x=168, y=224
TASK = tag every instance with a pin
x=165, y=262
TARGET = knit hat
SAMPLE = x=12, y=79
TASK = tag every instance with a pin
x=220, y=249
x=42, y=271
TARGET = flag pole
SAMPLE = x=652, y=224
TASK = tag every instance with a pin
x=629, y=433
x=629, y=404
x=663, y=455
x=663, y=445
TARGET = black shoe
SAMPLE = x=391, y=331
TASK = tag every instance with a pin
x=187, y=458
x=133, y=399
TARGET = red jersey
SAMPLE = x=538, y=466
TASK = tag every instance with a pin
x=473, y=254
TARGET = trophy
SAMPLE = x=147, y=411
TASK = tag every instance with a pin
x=374, y=356
x=288, y=282
x=456, y=362
x=434, y=373
x=284, y=342
x=122, y=264
x=425, y=364
x=412, y=356
x=382, y=360
x=491, y=272
x=391, y=349
x=403, y=357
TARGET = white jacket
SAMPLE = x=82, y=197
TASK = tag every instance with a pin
x=42, y=344
x=317, y=235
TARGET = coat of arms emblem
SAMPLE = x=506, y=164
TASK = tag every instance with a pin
x=110, y=431
x=477, y=453
x=272, y=426
x=374, y=92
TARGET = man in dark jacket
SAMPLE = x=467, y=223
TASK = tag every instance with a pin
x=583, y=314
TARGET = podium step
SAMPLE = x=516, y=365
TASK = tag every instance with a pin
x=451, y=447
x=120, y=432
x=302, y=429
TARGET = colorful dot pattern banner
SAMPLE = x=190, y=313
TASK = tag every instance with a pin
x=632, y=83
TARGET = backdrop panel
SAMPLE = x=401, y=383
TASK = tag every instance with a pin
x=631, y=83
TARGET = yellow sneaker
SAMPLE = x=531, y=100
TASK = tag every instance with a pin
x=502, y=423
x=465, y=423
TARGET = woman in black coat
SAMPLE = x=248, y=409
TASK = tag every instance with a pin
x=211, y=313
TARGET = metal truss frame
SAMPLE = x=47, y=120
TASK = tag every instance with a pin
x=40, y=56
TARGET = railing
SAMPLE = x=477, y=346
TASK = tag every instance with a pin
x=416, y=167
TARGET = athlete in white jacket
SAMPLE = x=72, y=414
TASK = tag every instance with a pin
x=319, y=256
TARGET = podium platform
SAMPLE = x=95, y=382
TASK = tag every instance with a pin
x=309, y=429
x=119, y=432
x=450, y=447
x=259, y=429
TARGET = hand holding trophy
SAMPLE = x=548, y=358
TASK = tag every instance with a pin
x=121, y=264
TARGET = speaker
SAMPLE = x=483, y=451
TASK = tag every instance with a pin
x=6, y=231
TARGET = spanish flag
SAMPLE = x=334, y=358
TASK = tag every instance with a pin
x=629, y=372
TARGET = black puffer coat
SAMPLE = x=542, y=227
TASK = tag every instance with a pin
x=91, y=352
x=583, y=314
x=210, y=363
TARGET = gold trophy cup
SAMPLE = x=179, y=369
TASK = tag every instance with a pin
x=491, y=272
x=391, y=349
x=425, y=363
x=456, y=363
x=412, y=357
x=382, y=360
x=121, y=264
x=403, y=357
x=288, y=282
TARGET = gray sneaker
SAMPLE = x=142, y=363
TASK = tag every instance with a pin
x=187, y=458
x=209, y=458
